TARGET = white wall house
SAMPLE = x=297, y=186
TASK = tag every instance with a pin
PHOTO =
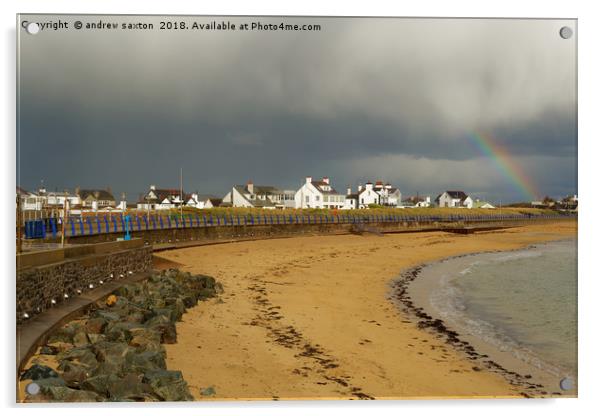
x=483, y=204
x=389, y=195
x=417, y=202
x=30, y=201
x=259, y=196
x=370, y=193
x=203, y=201
x=318, y=194
x=158, y=199
x=367, y=196
x=455, y=199
x=57, y=199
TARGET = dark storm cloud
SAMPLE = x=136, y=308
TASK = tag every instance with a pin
x=361, y=99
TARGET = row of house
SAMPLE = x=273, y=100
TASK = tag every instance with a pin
x=80, y=199
x=313, y=193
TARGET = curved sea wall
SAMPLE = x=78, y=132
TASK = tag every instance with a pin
x=47, y=278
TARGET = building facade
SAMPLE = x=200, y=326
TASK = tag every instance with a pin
x=318, y=194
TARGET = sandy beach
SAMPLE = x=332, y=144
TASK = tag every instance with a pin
x=310, y=318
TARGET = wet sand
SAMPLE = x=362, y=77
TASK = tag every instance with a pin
x=311, y=318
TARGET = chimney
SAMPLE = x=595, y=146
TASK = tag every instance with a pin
x=153, y=188
x=348, y=191
x=359, y=188
x=308, y=179
x=250, y=186
x=77, y=190
x=326, y=180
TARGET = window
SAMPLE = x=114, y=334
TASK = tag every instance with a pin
x=307, y=199
x=318, y=198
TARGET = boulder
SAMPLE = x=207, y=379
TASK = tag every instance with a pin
x=204, y=294
x=165, y=327
x=60, y=346
x=127, y=291
x=137, y=317
x=130, y=388
x=168, y=385
x=80, y=355
x=100, y=384
x=106, y=315
x=38, y=372
x=75, y=374
x=94, y=338
x=119, y=331
x=80, y=339
x=65, y=333
x=190, y=301
x=96, y=325
x=107, y=351
x=145, y=361
x=49, y=350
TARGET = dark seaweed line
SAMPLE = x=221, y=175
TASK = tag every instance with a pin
x=289, y=337
x=399, y=294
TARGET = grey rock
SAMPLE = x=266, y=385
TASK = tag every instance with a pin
x=168, y=385
x=37, y=372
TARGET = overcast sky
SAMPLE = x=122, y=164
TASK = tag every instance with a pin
x=361, y=99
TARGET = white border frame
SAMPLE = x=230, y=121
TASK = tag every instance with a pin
x=588, y=169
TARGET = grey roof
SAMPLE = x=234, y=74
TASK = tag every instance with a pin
x=319, y=184
x=258, y=203
x=414, y=199
x=163, y=194
x=461, y=195
x=204, y=197
x=21, y=191
x=103, y=194
x=216, y=202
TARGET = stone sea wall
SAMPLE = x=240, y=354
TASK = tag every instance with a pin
x=60, y=276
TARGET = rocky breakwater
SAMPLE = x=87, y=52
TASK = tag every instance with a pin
x=115, y=351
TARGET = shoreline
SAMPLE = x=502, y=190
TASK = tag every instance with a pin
x=411, y=292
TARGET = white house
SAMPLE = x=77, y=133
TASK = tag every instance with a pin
x=158, y=199
x=202, y=201
x=318, y=194
x=456, y=199
x=30, y=201
x=417, y=202
x=482, y=204
x=57, y=199
x=367, y=196
x=259, y=196
x=389, y=196
x=96, y=199
x=370, y=193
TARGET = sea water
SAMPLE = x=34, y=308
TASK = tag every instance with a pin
x=522, y=302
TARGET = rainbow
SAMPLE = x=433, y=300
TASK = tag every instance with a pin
x=505, y=164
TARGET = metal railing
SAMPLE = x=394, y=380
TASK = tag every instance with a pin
x=93, y=225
